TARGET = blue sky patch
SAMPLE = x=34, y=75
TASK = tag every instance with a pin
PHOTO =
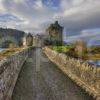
x=51, y=3
x=8, y=17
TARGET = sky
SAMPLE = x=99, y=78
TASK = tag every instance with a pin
x=80, y=18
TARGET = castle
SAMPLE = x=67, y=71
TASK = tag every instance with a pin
x=52, y=36
x=55, y=33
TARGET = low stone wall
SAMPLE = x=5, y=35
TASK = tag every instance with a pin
x=85, y=75
x=9, y=71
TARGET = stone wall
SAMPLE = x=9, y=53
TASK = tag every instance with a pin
x=9, y=71
x=85, y=75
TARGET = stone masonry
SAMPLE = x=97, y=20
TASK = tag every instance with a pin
x=85, y=75
x=9, y=71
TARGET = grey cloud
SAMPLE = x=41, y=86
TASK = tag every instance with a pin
x=28, y=13
x=86, y=16
x=86, y=37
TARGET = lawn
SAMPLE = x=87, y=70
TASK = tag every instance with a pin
x=62, y=49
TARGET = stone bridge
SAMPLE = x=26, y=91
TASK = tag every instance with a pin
x=37, y=78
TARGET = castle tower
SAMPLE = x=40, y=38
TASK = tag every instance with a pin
x=55, y=32
x=29, y=40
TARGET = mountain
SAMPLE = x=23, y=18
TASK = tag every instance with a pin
x=13, y=33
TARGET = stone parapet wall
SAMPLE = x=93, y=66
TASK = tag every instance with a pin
x=9, y=71
x=85, y=75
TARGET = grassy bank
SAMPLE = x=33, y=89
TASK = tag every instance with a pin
x=9, y=52
x=70, y=50
x=62, y=49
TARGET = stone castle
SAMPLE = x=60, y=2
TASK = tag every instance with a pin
x=55, y=33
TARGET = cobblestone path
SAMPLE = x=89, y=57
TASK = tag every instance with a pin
x=46, y=82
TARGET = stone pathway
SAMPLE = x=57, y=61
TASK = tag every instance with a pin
x=46, y=82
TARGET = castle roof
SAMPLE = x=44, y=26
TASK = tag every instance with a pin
x=55, y=25
x=29, y=35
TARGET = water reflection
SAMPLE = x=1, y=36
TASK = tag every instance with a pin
x=94, y=62
x=2, y=49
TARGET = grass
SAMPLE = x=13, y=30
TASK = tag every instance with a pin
x=62, y=49
x=66, y=49
x=9, y=52
x=94, y=57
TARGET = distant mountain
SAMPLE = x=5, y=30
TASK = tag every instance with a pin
x=16, y=34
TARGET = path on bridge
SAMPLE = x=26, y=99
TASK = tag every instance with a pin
x=47, y=84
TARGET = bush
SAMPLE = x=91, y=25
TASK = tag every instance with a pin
x=62, y=49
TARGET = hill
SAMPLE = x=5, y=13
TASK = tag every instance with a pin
x=16, y=34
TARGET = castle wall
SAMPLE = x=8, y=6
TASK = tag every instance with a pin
x=85, y=75
x=9, y=70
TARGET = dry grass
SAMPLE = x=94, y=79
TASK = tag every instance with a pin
x=94, y=57
x=9, y=52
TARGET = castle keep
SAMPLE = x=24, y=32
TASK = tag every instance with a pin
x=55, y=33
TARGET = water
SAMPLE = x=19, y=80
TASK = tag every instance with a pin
x=94, y=62
x=2, y=49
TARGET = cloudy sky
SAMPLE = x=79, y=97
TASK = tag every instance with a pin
x=80, y=18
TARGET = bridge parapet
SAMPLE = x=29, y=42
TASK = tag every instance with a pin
x=85, y=75
x=9, y=71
